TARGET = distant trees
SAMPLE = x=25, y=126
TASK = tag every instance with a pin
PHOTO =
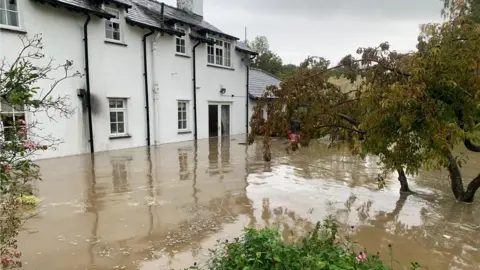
x=271, y=62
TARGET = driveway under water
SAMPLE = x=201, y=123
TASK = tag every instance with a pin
x=163, y=207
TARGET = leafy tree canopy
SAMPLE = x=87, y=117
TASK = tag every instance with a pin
x=410, y=110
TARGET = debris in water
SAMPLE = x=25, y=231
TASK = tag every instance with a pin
x=447, y=236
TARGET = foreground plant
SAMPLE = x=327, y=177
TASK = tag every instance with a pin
x=265, y=249
x=20, y=140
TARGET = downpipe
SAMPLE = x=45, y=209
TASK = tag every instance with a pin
x=145, y=74
x=87, y=84
x=154, y=89
x=194, y=79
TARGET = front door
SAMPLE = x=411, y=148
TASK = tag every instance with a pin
x=218, y=120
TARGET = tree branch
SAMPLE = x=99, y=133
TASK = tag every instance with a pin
x=471, y=146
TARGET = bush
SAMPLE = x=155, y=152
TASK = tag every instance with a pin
x=265, y=249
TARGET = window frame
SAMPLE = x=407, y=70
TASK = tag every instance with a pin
x=220, y=53
x=6, y=13
x=187, y=116
x=116, y=110
x=183, y=38
x=14, y=113
x=117, y=20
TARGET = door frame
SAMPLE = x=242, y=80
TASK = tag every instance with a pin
x=219, y=119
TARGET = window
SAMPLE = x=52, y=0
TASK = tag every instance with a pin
x=118, y=113
x=220, y=53
x=180, y=42
x=13, y=125
x=9, y=13
x=182, y=115
x=112, y=26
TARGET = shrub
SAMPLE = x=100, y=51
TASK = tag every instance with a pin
x=265, y=249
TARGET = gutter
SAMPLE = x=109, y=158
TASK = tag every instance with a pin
x=145, y=75
x=87, y=83
x=248, y=95
x=195, y=135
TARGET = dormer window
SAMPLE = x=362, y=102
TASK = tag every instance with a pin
x=113, y=27
x=180, y=42
x=220, y=53
x=9, y=13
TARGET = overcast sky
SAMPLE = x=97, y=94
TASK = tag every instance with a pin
x=329, y=28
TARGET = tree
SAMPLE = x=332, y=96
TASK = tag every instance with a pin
x=411, y=110
x=19, y=140
x=315, y=62
x=266, y=59
x=468, y=8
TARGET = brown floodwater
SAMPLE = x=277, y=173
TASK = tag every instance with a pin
x=163, y=207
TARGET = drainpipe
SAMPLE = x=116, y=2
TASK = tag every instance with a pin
x=154, y=89
x=247, y=98
x=87, y=78
x=248, y=95
x=145, y=74
x=195, y=91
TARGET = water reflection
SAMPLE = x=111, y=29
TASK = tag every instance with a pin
x=162, y=207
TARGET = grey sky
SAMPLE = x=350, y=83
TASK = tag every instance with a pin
x=328, y=28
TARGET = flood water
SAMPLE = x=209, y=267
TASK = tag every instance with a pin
x=163, y=207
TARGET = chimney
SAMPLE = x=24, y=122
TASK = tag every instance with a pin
x=192, y=6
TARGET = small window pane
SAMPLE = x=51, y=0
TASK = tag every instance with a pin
x=11, y=5
x=179, y=125
x=3, y=16
x=120, y=117
x=121, y=127
x=2, y=4
x=111, y=103
x=119, y=104
x=12, y=18
x=113, y=117
x=113, y=128
x=116, y=35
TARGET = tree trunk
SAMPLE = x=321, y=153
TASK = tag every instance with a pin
x=472, y=188
x=402, y=178
x=462, y=195
x=456, y=181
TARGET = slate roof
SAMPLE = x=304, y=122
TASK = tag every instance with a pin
x=148, y=14
x=244, y=48
x=258, y=82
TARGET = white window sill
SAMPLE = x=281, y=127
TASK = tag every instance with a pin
x=10, y=28
x=116, y=42
x=182, y=55
x=218, y=66
x=184, y=131
x=119, y=136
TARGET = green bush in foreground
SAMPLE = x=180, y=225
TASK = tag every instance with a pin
x=265, y=249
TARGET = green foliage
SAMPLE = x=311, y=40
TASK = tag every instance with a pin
x=265, y=249
x=19, y=141
x=410, y=110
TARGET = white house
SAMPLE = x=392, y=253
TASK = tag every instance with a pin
x=155, y=73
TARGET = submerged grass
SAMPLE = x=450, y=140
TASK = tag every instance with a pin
x=266, y=249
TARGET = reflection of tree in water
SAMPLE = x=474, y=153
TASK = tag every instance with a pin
x=445, y=233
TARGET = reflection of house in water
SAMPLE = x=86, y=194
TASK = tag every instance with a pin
x=142, y=209
x=120, y=169
x=184, y=171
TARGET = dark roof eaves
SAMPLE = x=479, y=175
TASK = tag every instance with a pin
x=148, y=26
x=203, y=39
x=54, y=3
x=246, y=51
